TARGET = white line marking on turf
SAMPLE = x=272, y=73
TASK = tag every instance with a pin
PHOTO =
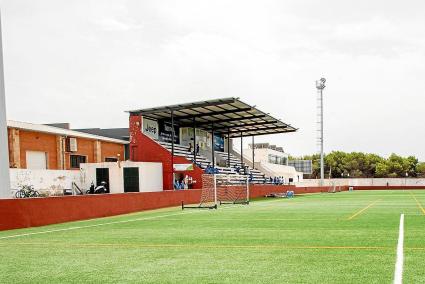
x=398, y=273
x=110, y=223
x=121, y=222
x=95, y=225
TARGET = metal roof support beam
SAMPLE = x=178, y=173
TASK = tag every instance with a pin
x=185, y=106
x=260, y=129
x=265, y=133
x=233, y=119
x=247, y=124
x=213, y=113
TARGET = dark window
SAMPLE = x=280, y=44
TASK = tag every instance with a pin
x=131, y=179
x=111, y=160
x=76, y=160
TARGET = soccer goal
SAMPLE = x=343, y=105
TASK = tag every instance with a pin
x=333, y=187
x=220, y=189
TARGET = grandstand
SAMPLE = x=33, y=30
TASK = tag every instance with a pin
x=200, y=133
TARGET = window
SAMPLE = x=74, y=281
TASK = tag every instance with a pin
x=76, y=160
x=273, y=159
x=109, y=159
x=36, y=160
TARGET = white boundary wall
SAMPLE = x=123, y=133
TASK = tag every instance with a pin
x=53, y=182
x=49, y=182
x=366, y=182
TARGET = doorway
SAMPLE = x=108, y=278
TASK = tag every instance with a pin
x=131, y=179
x=102, y=174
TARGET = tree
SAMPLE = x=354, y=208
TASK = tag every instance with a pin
x=420, y=169
x=359, y=164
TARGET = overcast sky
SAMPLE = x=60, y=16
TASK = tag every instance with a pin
x=86, y=62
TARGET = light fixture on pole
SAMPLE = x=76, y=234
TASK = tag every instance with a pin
x=320, y=85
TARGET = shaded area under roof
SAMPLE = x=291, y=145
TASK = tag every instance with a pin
x=227, y=116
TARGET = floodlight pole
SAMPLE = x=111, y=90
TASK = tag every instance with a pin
x=4, y=150
x=320, y=85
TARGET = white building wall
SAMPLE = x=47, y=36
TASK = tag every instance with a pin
x=150, y=175
x=47, y=182
x=261, y=157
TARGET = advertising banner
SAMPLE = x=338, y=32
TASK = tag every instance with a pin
x=183, y=167
x=218, y=143
x=150, y=128
x=165, y=133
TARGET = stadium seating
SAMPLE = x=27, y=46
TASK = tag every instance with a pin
x=235, y=163
x=183, y=151
x=203, y=162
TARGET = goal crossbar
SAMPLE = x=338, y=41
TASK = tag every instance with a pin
x=220, y=189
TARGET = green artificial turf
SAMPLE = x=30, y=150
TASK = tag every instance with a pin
x=307, y=239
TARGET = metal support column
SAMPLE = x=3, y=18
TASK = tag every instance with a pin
x=212, y=145
x=194, y=140
x=172, y=148
x=228, y=147
x=253, y=154
x=241, y=149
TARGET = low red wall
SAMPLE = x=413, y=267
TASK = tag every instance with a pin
x=23, y=213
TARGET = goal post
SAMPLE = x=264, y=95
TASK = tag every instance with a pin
x=220, y=189
x=232, y=189
x=334, y=187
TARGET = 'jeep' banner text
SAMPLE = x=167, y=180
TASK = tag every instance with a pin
x=150, y=128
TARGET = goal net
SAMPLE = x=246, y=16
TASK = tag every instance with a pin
x=334, y=187
x=222, y=189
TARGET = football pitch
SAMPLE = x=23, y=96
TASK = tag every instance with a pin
x=347, y=237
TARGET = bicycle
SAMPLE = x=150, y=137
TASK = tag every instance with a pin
x=27, y=191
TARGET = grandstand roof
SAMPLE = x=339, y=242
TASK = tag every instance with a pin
x=227, y=115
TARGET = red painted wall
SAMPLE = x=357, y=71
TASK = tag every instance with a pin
x=23, y=213
x=144, y=149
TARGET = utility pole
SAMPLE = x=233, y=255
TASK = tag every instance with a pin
x=320, y=85
x=4, y=150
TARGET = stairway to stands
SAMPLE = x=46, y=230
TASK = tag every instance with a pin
x=235, y=162
x=203, y=162
x=183, y=151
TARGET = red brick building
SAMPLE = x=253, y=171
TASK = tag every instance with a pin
x=37, y=146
